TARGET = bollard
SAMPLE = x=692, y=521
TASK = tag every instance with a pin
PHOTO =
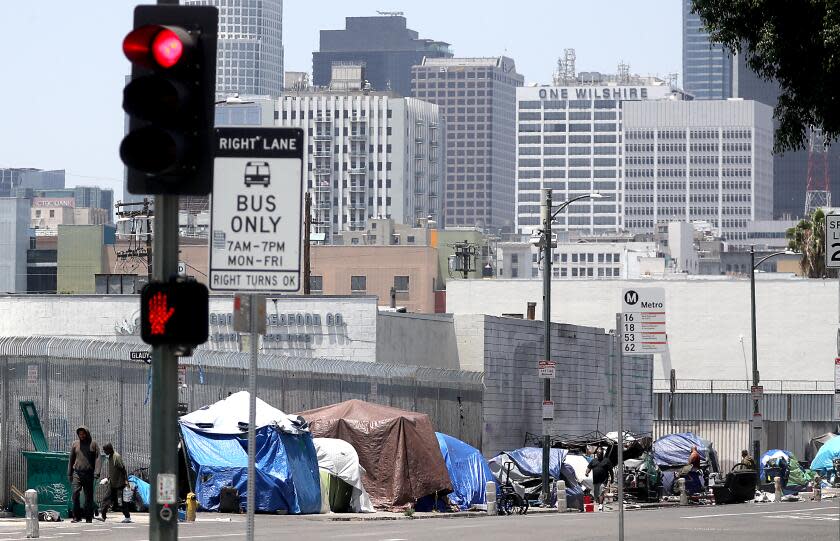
x=30, y=499
x=817, y=488
x=192, y=505
x=490, y=498
x=777, y=481
x=683, y=492
x=561, y=496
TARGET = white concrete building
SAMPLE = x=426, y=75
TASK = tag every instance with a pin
x=698, y=160
x=368, y=155
x=569, y=140
x=707, y=318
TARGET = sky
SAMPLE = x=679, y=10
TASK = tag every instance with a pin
x=63, y=69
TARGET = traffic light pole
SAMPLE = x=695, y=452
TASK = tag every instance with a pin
x=163, y=516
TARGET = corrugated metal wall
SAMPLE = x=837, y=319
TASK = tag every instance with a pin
x=74, y=382
x=738, y=407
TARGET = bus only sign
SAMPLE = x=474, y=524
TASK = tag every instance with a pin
x=255, y=231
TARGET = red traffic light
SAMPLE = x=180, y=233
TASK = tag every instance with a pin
x=155, y=46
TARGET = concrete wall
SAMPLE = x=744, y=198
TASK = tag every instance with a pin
x=796, y=321
x=117, y=317
x=421, y=340
x=584, y=391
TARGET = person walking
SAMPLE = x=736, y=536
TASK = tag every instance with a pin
x=116, y=477
x=83, y=466
x=602, y=472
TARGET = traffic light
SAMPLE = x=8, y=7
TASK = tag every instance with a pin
x=174, y=313
x=170, y=100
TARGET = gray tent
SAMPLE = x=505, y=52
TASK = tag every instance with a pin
x=815, y=444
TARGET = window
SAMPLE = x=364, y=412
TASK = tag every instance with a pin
x=52, y=213
x=316, y=284
x=514, y=258
x=358, y=284
x=401, y=284
x=409, y=239
x=514, y=272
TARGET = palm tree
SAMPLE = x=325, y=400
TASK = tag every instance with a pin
x=808, y=238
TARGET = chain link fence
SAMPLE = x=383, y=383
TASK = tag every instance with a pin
x=95, y=383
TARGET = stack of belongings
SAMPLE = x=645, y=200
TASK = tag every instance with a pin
x=671, y=454
x=526, y=473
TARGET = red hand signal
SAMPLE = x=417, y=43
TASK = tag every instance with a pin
x=159, y=314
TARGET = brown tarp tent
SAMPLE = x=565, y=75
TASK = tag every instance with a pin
x=398, y=449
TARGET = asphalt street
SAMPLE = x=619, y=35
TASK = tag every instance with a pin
x=765, y=522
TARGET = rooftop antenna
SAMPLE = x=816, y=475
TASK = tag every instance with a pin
x=623, y=72
x=566, y=70
x=818, y=192
x=390, y=13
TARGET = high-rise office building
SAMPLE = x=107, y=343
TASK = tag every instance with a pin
x=14, y=241
x=369, y=155
x=384, y=45
x=477, y=97
x=569, y=140
x=689, y=161
x=707, y=66
x=790, y=169
x=249, y=57
x=15, y=179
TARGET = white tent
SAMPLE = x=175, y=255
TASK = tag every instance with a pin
x=230, y=416
x=340, y=459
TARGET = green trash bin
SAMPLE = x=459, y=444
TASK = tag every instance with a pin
x=47, y=474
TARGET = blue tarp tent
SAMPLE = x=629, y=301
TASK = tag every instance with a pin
x=215, y=438
x=468, y=471
x=673, y=450
x=794, y=477
x=529, y=460
x=823, y=461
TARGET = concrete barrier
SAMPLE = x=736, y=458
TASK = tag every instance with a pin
x=490, y=498
x=30, y=498
x=561, y=496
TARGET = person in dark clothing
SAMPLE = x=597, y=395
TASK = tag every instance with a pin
x=602, y=472
x=83, y=466
x=116, y=477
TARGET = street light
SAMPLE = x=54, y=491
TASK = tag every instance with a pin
x=547, y=217
x=755, y=378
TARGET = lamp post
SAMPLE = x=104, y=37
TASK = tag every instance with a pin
x=755, y=375
x=547, y=217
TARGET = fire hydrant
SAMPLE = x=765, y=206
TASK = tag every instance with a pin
x=192, y=506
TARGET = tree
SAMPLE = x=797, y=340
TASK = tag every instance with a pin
x=797, y=44
x=808, y=238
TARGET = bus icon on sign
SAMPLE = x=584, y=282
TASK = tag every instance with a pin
x=257, y=173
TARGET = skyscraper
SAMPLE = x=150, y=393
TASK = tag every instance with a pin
x=386, y=47
x=477, y=97
x=790, y=169
x=249, y=57
x=707, y=66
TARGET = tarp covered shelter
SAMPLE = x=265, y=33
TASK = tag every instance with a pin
x=216, y=439
x=468, y=471
x=340, y=459
x=824, y=459
x=796, y=477
x=673, y=450
x=815, y=445
x=526, y=473
x=397, y=449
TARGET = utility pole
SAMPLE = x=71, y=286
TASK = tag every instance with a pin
x=139, y=219
x=755, y=376
x=307, y=225
x=545, y=214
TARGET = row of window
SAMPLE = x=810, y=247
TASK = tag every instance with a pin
x=573, y=115
x=549, y=128
x=358, y=284
x=569, y=104
x=576, y=151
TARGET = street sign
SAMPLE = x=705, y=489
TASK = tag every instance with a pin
x=757, y=392
x=166, y=488
x=182, y=268
x=256, y=210
x=643, y=321
x=832, y=241
x=546, y=369
x=548, y=410
x=141, y=356
x=757, y=425
x=242, y=313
